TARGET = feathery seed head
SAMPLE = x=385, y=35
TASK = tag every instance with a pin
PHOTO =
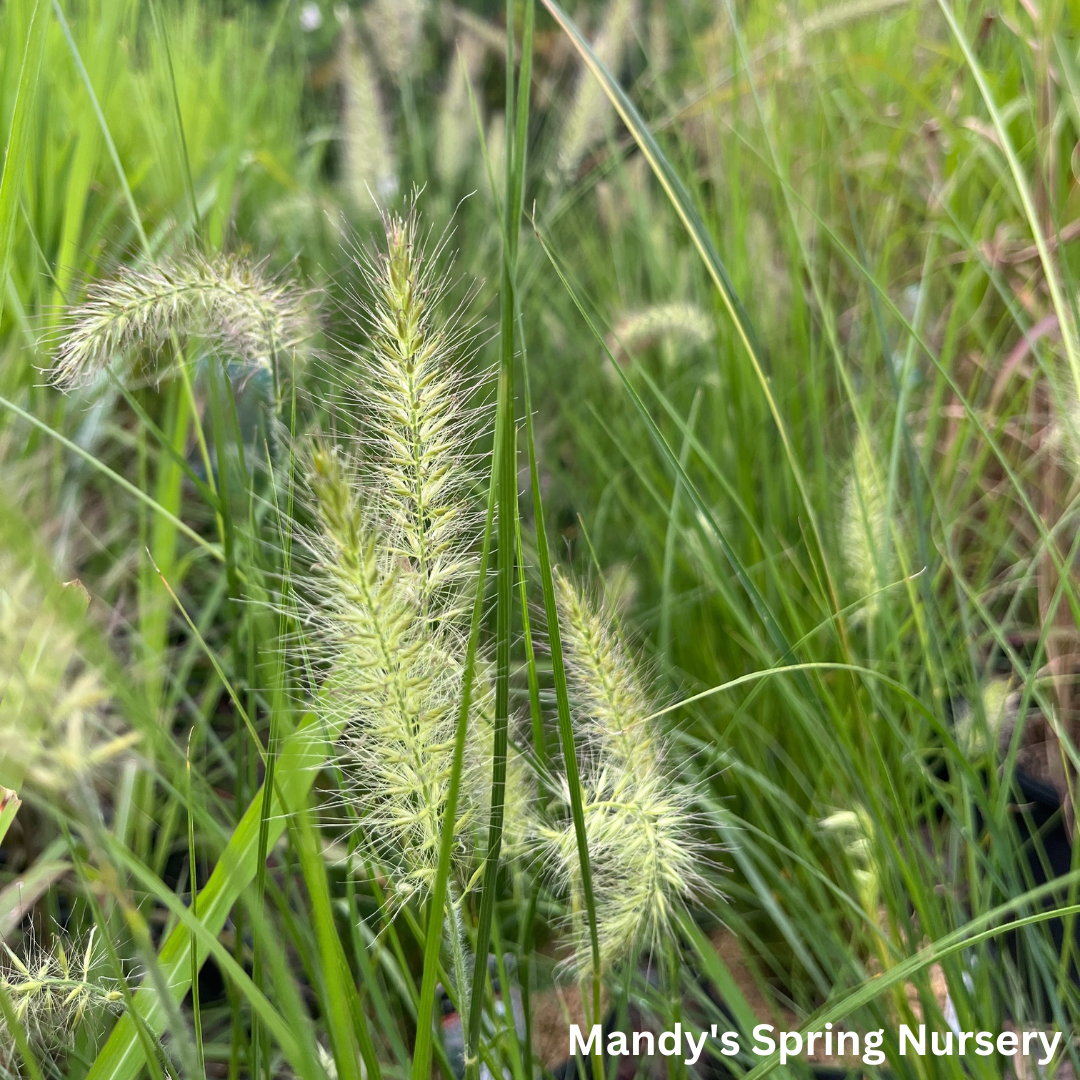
x=418, y=395
x=396, y=27
x=856, y=832
x=229, y=302
x=610, y=697
x=370, y=169
x=393, y=568
x=56, y=727
x=1000, y=702
x=642, y=849
x=456, y=131
x=53, y=991
x=667, y=323
x=862, y=529
x=591, y=110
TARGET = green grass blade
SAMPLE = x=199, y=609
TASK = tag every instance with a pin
x=300, y=758
x=536, y=713
x=341, y=1012
x=562, y=696
x=196, y=1010
x=114, y=156
x=668, y=572
x=18, y=145
x=9, y=807
x=507, y=528
x=162, y=33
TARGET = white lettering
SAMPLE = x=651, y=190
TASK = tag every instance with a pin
x=595, y=1036
x=906, y=1036
x=1049, y=1047
x=695, y=1050
x=761, y=1036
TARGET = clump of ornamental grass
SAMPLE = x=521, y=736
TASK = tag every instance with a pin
x=143, y=313
x=388, y=605
x=395, y=572
x=52, y=992
x=370, y=171
x=643, y=849
x=590, y=112
x=863, y=528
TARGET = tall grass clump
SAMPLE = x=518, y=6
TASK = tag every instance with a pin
x=789, y=343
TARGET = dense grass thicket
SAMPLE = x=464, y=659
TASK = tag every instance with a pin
x=514, y=516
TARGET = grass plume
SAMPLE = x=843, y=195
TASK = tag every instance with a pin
x=590, y=110
x=662, y=323
x=53, y=991
x=645, y=857
x=227, y=301
x=370, y=170
x=862, y=528
x=56, y=722
x=394, y=550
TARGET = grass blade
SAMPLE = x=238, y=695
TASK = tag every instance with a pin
x=196, y=1009
x=9, y=807
x=121, y=175
x=299, y=761
x=18, y=146
x=562, y=697
x=162, y=33
x=341, y=1012
x=506, y=463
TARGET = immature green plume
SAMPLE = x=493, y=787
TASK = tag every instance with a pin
x=642, y=846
